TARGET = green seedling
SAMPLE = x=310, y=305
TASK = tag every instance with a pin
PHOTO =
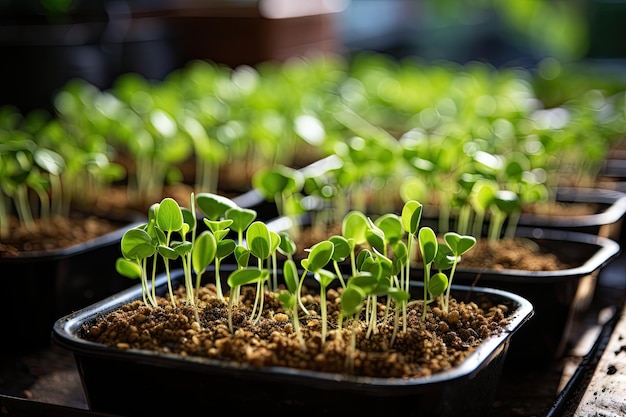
x=273, y=259
x=353, y=228
x=216, y=207
x=352, y=301
x=481, y=198
x=289, y=297
x=400, y=297
x=325, y=278
x=411, y=217
x=380, y=266
x=203, y=253
x=342, y=250
x=287, y=247
x=505, y=204
x=280, y=184
x=169, y=219
x=319, y=256
x=238, y=278
x=261, y=245
x=137, y=246
x=458, y=245
x=427, y=240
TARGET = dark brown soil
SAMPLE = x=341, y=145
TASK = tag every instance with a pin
x=60, y=232
x=112, y=211
x=428, y=346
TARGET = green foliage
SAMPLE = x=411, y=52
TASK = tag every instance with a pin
x=378, y=270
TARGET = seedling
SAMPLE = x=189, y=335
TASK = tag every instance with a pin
x=378, y=269
x=281, y=184
x=259, y=240
x=290, y=296
x=428, y=247
x=319, y=256
x=458, y=245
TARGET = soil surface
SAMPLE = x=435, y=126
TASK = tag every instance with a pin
x=58, y=233
x=112, y=211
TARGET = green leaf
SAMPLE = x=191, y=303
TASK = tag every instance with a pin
x=167, y=252
x=277, y=179
x=365, y=281
x=398, y=295
x=217, y=226
x=287, y=246
x=137, y=244
x=225, y=248
x=290, y=275
x=342, y=248
x=411, y=216
x=49, y=161
x=169, y=216
x=482, y=195
x=376, y=239
x=182, y=248
x=324, y=277
x=459, y=244
x=213, y=205
x=241, y=218
x=444, y=258
x=204, y=251
x=362, y=257
x=320, y=254
x=275, y=239
x=188, y=219
x=242, y=255
x=287, y=298
x=437, y=284
x=127, y=268
x=428, y=244
x=245, y=276
x=352, y=300
x=354, y=226
x=391, y=225
x=400, y=256
x=506, y=201
x=259, y=240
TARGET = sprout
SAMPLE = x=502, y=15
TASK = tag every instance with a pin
x=379, y=269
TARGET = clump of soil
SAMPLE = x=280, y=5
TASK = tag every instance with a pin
x=428, y=346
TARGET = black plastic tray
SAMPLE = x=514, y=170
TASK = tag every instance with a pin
x=126, y=381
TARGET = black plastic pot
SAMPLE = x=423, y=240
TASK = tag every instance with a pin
x=252, y=199
x=36, y=288
x=606, y=221
x=128, y=382
x=557, y=296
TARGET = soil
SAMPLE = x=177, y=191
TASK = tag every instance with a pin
x=60, y=232
x=428, y=346
x=110, y=212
